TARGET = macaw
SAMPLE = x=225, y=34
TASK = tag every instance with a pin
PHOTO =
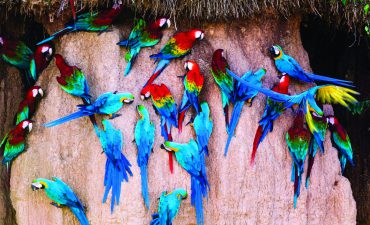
x=17, y=54
x=359, y=107
x=178, y=46
x=341, y=142
x=27, y=107
x=168, y=207
x=108, y=103
x=144, y=138
x=323, y=94
x=224, y=81
x=193, y=83
x=298, y=139
x=40, y=60
x=96, y=22
x=117, y=166
x=288, y=65
x=317, y=141
x=14, y=141
x=61, y=195
x=141, y=36
x=191, y=158
x=203, y=126
x=165, y=105
x=243, y=93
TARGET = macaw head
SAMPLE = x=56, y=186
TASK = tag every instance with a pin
x=332, y=120
x=127, y=98
x=180, y=193
x=39, y=183
x=163, y=23
x=145, y=93
x=25, y=125
x=46, y=50
x=170, y=146
x=143, y=112
x=276, y=51
x=197, y=34
x=191, y=65
x=34, y=92
x=218, y=55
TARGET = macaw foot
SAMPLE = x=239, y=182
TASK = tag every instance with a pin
x=114, y=115
x=56, y=204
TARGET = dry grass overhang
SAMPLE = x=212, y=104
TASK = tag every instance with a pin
x=351, y=14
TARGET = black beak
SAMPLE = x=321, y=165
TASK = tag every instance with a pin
x=162, y=147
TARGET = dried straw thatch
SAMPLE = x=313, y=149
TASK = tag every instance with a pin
x=352, y=14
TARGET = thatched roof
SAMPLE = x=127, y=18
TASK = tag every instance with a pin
x=335, y=11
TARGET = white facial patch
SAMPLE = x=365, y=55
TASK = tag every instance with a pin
x=37, y=185
x=186, y=65
x=198, y=34
x=25, y=124
x=162, y=22
x=147, y=95
x=276, y=50
x=189, y=65
x=44, y=49
x=34, y=92
x=331, y=120
x=127, y=100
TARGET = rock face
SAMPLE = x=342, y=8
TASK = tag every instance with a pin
x=240, y=194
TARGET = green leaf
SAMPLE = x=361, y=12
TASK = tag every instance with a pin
x=366, y=9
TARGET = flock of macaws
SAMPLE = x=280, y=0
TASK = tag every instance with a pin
x=306, y=135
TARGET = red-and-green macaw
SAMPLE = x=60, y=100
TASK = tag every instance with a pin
x=40, y=60
x=61, y=195
x=203, y=126
x=243, y=93
x=14, y=141
x=178, y=46
x=317, y=141
x=191, y=158
x=288, y=65
x=144, y=138
x=27, y=107
x=341, y=142
x=165, y=105
x=193, y=84
x=143, y=35
x=224, y=81
x=96, y=22
x=298, y=139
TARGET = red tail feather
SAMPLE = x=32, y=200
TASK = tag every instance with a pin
x=170, y=161
x=72, y=3
x=257, y=138
x=226, y=112
x=181, y=120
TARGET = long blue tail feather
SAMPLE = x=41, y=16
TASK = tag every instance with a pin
x=56, y=34
x=339, y=82
x=199, y=189
x=80, y=214
x=238, y=107
x=144, y=185
x=70, y=117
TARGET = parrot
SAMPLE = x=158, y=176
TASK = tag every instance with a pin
x=190, y=157
x=14, y=141
x=165, y=105
x=298, y=141
x=287, y=65
x=323, y=94
x=317, y=141
x=168, y=207
x=203, y=126
x=27, y=107
x=178, y=46
x=360, y=107
x=40, y=60
x=341, y=142
x=224, y=81
x=144, y=138
x=108, y=103
x=193, y=83
x=117, y=166
x=141, y=36
x=243, y=93
x=96, y=21
x=61, y=195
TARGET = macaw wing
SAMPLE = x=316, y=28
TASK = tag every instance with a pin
x=137, y=31
x=4, y=139
x=343, y=144
x=23, y=114
x=68, y=194
x=331, y=94
x=294, y=65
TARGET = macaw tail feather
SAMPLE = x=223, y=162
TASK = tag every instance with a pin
x=233, y=123
x=318, y=143
x=198, y=190
x=226, y=114
x=261, y=133
x=181, y=120
x=339, y=82
x=155, y=219
x=28, y=78
x=57, y=34
x=311, y=158
x=71, y=2
x=80, y=214
x=86, y=100
x=162, y=64
x=144, y=184
x=170, y=161
x=168, y=137
x=70, y=117
x=130, y=58
x=343, y=162
x=297, y=185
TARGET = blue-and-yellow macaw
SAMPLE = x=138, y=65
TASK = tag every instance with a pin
x=288, y=65
x=108, y=103
x=144, y=138
x=61, y=195
x=191, y=158
x=117, y=166
x=243, y=93
x=203, y=126
x=168, y=207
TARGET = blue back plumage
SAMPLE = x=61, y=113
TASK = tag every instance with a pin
x=203, y=126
